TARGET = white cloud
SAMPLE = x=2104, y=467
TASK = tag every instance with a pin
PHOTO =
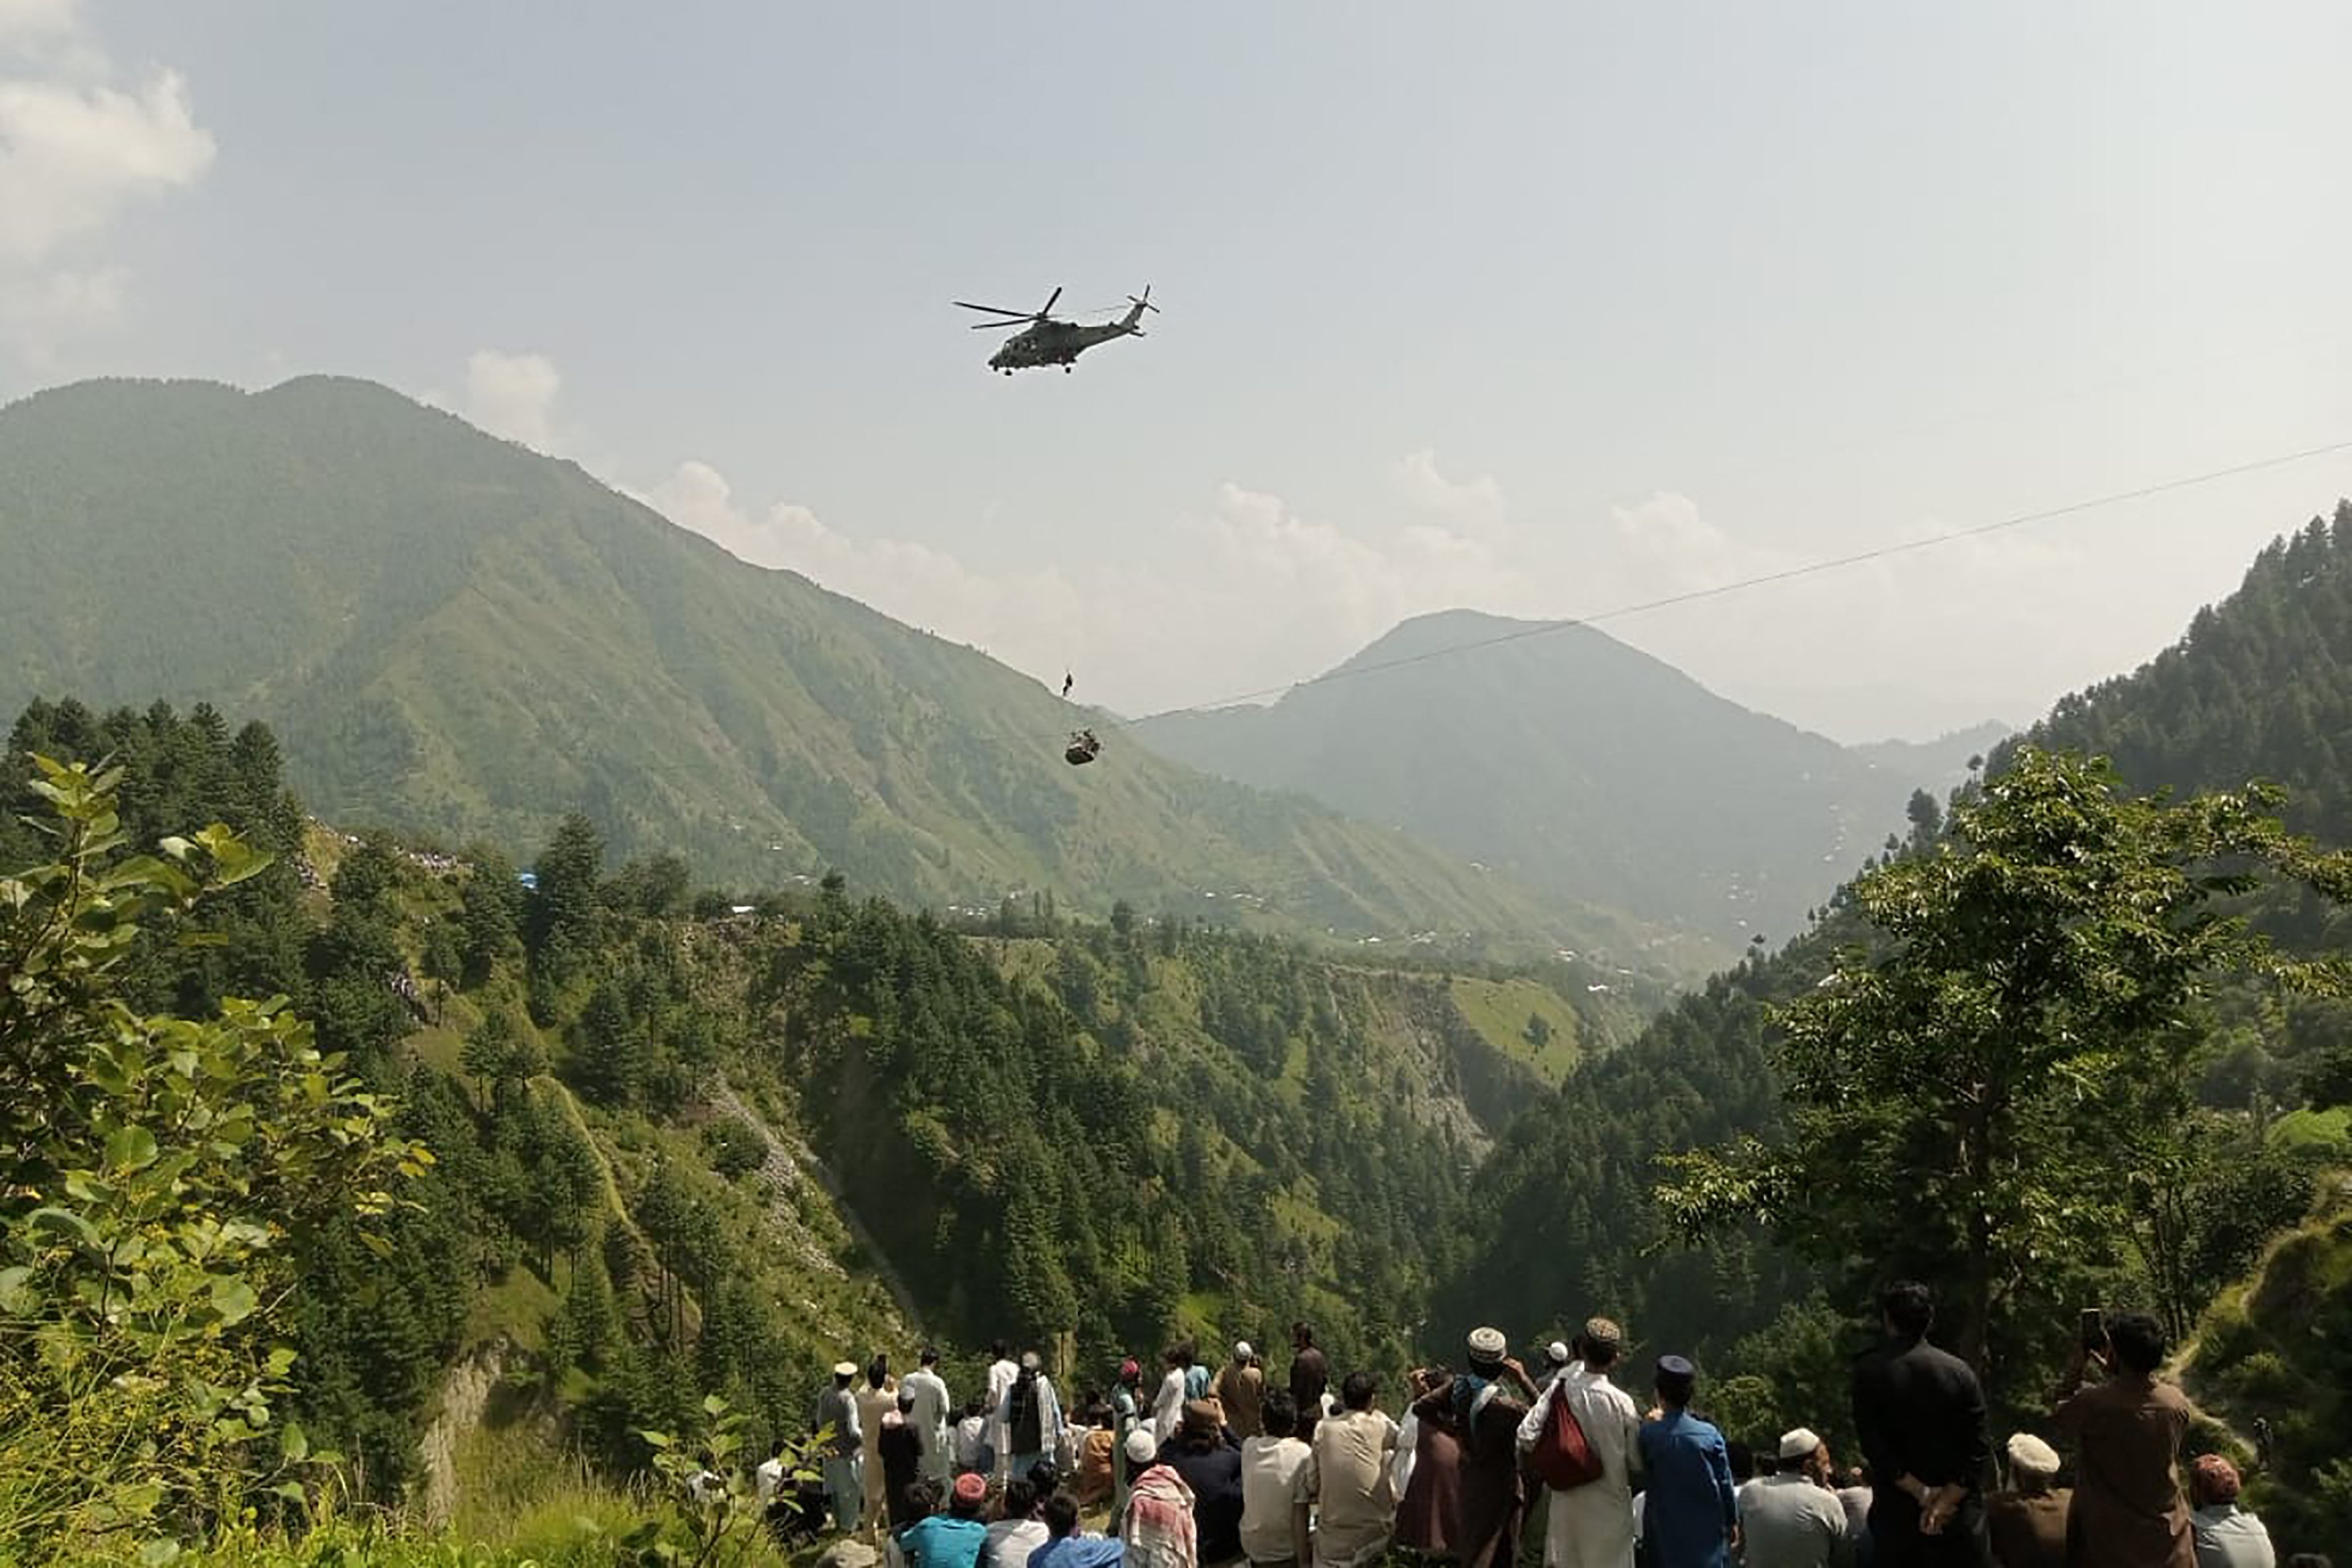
x=77, y=150
x=72, y=156
x=1418, y=476
x=513, y=396
x=25, y=22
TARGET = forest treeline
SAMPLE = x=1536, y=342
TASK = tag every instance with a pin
x=1116, y=1133
x=615, y=1102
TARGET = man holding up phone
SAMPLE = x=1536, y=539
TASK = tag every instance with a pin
x=2127, y=1510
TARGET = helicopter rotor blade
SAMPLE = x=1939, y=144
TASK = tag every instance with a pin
x=1049, y=304
x=1003, y=326
x=992, y=309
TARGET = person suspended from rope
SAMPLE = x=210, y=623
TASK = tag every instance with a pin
x=1068, y=681
x=1082, y=748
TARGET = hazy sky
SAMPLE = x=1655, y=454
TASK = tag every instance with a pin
x=1540, y=308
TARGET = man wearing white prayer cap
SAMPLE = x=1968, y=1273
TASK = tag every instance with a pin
x=1240, y=1388
x=1790, y=1519
x=2028, y=1522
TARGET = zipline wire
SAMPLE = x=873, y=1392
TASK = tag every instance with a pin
x=1790, y=574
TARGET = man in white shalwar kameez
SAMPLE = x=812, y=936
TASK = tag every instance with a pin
x=1591, y=1526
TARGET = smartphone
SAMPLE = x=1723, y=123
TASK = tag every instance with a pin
x=2094, y=1328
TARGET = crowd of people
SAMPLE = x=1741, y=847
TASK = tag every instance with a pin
x=1217, y=1468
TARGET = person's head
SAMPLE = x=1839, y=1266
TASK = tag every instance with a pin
x=2137, y=1341
x=1357, y=1390
x=1857, y=1475
x=1203, y=1427
x=970, y=1496
x=1301, y=1336
x=929, y=1358
x=2033, y=1464
x=1242, y=1353
x=1556, y=1355
x=923, y=1498
x=877, y=1370
x=1142, y=1450
x=2212, y=1480
x=1907, y=1308
x=1430, y=1379
x=1600, y=1344
x=1020, y=1497
x=974, y=1408
x=1000, y=1349
x=1173, y=1356
x=1030, y=1366
x=1044, y=1478
x=1187, y=1352
x=906, y=1400
x=843, y=1373
x=1280, y=1413
x=2309, y=1560
x=1060, y=1512
x=1130, y=1372
x=1803, y=1453
x=1487, y=1348
x=1676, y=1381
x=1741, y=1458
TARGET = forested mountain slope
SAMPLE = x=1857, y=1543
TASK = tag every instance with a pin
x=1567, y=1222
x=1570, y=760
x=452, y=633
x=681, y=1149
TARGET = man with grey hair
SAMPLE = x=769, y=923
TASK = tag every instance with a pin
x=1790, y=1519
x=2028, y=1521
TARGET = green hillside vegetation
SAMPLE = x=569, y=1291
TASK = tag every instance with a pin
x=2279, y=1349
x=452, y=634
x=1566, y=759
x=679, y=1150
x=1568, y=1210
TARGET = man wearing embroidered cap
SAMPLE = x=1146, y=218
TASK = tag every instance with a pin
x=1590, y=1526
x=2028, y=1521
x=1690, y=1514
x=1487, y=1404
x=954, y=1539
x=1790, y=1519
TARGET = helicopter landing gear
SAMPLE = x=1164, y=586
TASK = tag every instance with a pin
x=1067, y=368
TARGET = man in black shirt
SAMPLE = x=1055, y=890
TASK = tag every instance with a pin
x=1920, y=1414
x=1209, y=1461
x=1311, y=1374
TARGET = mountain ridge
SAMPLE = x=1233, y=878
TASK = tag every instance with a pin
x=1565, y=757
x=456, y=635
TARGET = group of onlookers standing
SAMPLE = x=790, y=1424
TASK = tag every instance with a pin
x=1217, y=1468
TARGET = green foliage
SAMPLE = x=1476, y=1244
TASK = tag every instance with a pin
x=162, y=1183
x=1987, y=1099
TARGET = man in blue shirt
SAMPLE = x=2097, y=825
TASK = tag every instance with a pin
x=1690, y=1510
x=1065, y=1547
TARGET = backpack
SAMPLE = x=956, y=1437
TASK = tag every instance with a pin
x=1023, y=1423
x=1563, y=1456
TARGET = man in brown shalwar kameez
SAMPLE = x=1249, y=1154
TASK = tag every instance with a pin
x=2127, y=1510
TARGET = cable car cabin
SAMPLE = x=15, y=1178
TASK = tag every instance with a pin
x=1083, y=748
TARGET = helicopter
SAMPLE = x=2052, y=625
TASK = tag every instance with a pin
x=1043, y=341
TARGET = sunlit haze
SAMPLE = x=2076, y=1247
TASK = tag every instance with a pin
x=1537, y=309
